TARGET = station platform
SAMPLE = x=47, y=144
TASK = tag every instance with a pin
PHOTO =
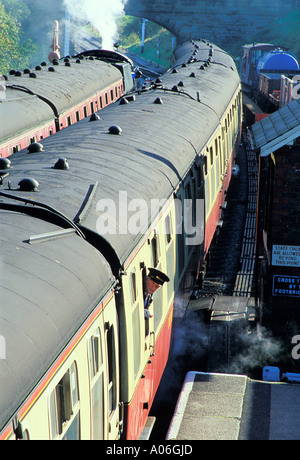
x=214, y=406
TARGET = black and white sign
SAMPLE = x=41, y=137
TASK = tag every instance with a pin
x=288, y=286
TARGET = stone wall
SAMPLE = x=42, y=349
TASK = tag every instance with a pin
x=222, y=22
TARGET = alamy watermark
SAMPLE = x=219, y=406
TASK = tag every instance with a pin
x=2, y=88
x=2, y=347
x=133, y=217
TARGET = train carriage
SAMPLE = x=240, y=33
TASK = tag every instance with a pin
x=144, y=185
x=37, y=103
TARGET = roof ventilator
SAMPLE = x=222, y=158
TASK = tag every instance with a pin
x=62, y=163
x=158, y=100
x=28, y=185
x=95, y=117
x=5, y=163
x=115, y=130
x=35, y=147
x=124, y=101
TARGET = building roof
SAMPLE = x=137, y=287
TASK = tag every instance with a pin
x=278, y=129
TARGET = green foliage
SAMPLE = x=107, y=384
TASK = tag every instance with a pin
x=156, y=39
x=13, y=51
x=284, y=31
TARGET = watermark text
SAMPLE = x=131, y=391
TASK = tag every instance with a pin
x=133, y=217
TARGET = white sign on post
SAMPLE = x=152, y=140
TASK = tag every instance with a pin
x=286, y=256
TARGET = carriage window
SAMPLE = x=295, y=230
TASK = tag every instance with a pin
x=136, y=340
x=111, y=351
x=97, y=390
x=216, y=147
x=205, y=165
x=133, y=287
x=64, y=406
x=154, y=251
x=168, y=230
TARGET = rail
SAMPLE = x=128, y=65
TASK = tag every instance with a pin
x=244, y=278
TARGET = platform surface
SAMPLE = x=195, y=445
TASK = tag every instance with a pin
x=215, y=406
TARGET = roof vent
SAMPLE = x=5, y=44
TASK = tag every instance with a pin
x=91, y=58
x=193, y=75
x=95, y=117
x=12, y=72
x=38, y=67
x=62, y=163
x=51, y=69
x=55, y=62
x=181, y=83
x=115, y=130
x=78, y=61
x=158, y=100
x=43, y=64
x=184, y=65
x=67, y=64
x=28, y=185
x=4, y=163
x=26, y=71
x=175, y=88
x=18, y=74
x=174, y=71
x=35, y=147
x=32, y=75
x=124, y=101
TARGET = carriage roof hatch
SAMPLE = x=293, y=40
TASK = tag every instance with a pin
x=276, y=130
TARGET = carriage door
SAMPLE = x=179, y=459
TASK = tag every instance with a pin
x=104, y=375
x=113, y=376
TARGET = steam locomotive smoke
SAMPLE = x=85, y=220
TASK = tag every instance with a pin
x=101, y=14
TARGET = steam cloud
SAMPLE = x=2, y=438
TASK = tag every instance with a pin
x=101, y=14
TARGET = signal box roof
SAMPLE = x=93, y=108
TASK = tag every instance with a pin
x=278, y=129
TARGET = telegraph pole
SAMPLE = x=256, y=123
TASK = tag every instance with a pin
x=143, y=33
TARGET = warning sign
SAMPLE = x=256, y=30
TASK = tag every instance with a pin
x=286, y=256
x=286, y=286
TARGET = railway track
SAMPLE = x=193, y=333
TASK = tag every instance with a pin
x=244, y=280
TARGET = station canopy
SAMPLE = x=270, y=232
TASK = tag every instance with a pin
x=278, y=129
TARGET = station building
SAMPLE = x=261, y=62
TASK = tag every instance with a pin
x=276, y=139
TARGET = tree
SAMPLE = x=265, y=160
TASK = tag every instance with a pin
x=14, y=52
